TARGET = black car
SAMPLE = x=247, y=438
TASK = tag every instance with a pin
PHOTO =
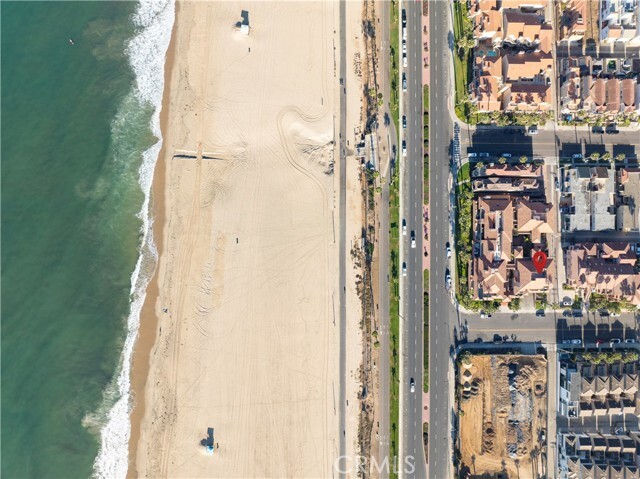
x=597, y=129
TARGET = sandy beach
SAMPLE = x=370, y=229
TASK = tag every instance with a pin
x=239, y=332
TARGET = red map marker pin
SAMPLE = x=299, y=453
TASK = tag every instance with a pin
x=539, y=260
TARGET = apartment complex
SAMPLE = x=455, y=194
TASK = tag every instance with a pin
x=604, y=268
x=618, y=21
x=511, y=220
x=601, y=87
x=588, y=199
x=513, y=61
x=596, y=400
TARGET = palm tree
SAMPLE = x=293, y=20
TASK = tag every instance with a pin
x=479, y=165
x=502, y=160
x=595, y=156
x=523, y=159
x=621, y=157
x=606, y=156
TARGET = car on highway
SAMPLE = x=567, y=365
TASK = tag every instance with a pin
x=404, y=82
x=404, y=227
x=614, y=341
x=404, y=269
x=404, y=147
x=404, y=121
x=484, y=155
x=412, y=385
x=506, y=155
x=413, y=239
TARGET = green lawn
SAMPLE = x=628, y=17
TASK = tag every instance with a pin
x=461, y=64
x=394, y=314
x=394, y=100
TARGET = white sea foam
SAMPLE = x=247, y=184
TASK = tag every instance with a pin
x=147, y=52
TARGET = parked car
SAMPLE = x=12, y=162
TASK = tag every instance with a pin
x=404, y=82
x=404, y=148
x=404, y=121
x=614, y=341
x=448, y=251
x=472, y=155
x=448, y=280
x=576, y=156
x=630, y=341
x=404, y=269
x=533, y=130
x=404, y=47
x=612, y=129
x=484, y=155
x=404, y=227
x=597, y=129
x=576, y=341
x=404, y=60
x=506, y=155
x=483, y=315
x=566, y=313
x=540, y=313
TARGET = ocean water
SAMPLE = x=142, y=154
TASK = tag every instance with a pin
x=80, y=137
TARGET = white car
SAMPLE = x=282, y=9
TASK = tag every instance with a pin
x=404, y=33
x=404, y=82
x=404, y=269
x=404, y=227
x=404, y=60
x=614, y=341
x=412, y=385
x=404, y=148
x=630, y=341
x=448, y=251
x=404, y=47
x=413, y=239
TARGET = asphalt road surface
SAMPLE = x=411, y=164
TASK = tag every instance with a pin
x=411, y=285
x=440, y=308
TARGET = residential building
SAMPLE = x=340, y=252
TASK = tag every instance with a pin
x=628, y=211
x=608, y=269
x=619, y=21
x=573, y=19
x=588, y=200
x=511, y=220
x=601, y=395
x=592, y=455
x=595, y=88
x=513, y=62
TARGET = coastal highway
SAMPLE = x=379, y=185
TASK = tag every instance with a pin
x=441, y=313
x=411, y=285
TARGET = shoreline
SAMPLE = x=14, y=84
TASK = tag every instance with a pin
x=148, y=318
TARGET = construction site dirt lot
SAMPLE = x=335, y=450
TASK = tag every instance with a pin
x=503, y=418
